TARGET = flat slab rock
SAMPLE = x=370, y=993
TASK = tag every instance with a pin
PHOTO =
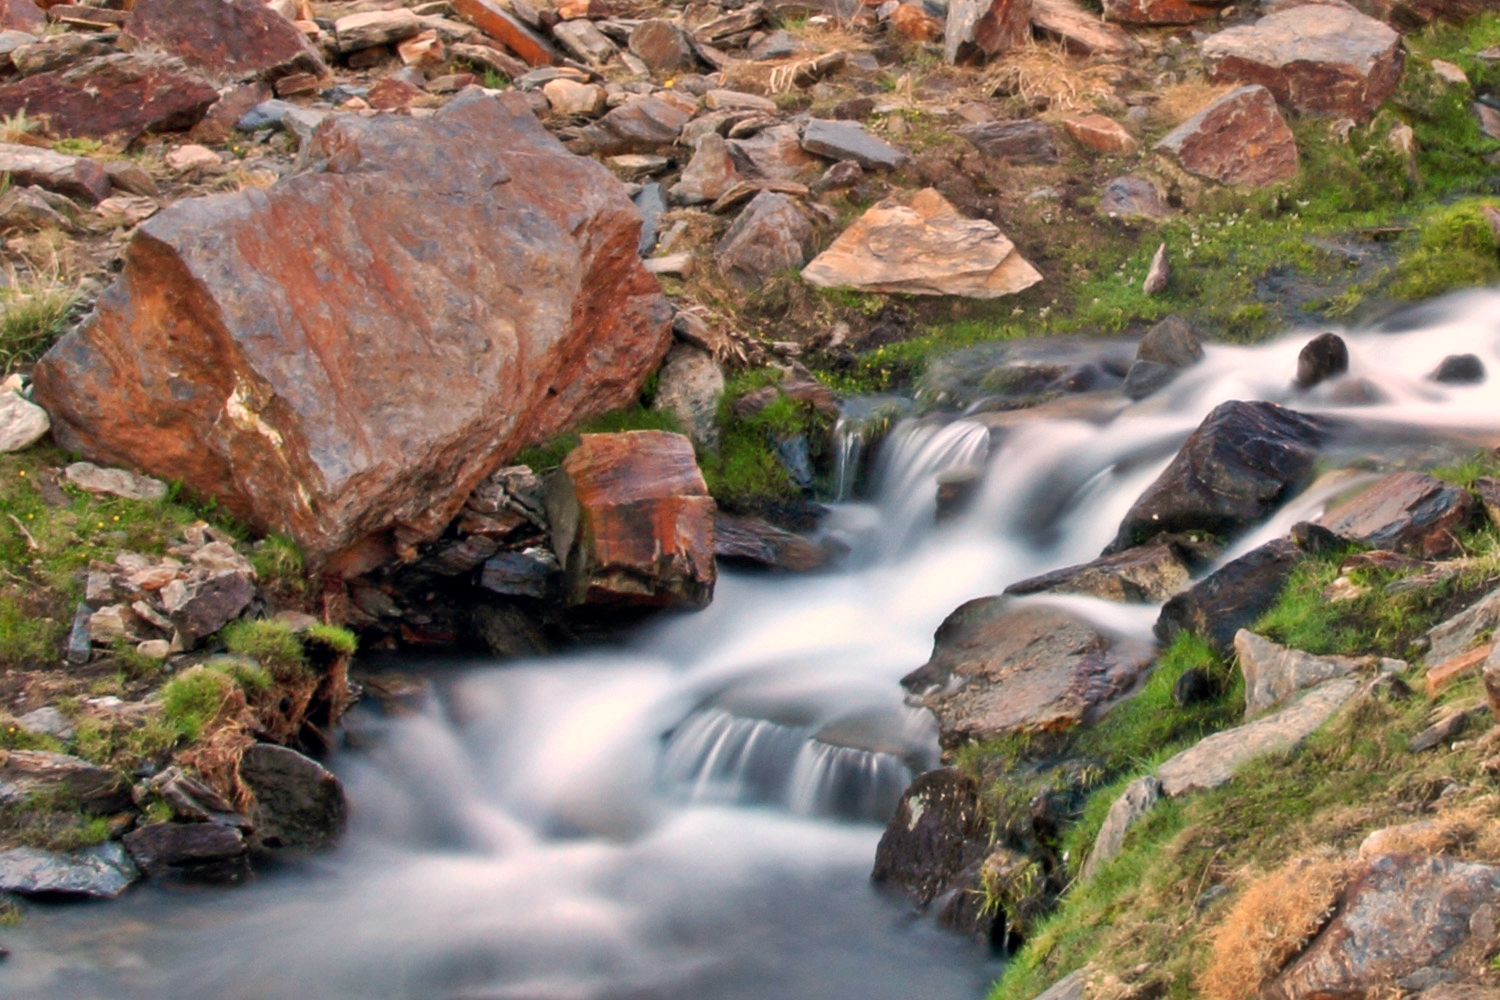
x=1403, y=913
x=100, y=872
x=1273, y=673
x=753, y=541
x=999, y=665
x=1241, y=139
x=1081, y=31
x=838, y=140
x=226, y=39
x=1408, y=512
x=1234, y=470
x=1145, y=574
x=1320, y=58
x=343, y=404
x=1465, y=630
x=922, y=247
x=74, y=176
x=31, y=772
x=1213, y=761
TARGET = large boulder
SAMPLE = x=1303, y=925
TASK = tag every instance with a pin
x=1230, y=598
x=1320, y=58
x=1407, y=512
x=632, y=521
x=1401, y=914
x=922, y=247
x=428, y=297
x=1240, y=139
x=115, y=97
x=226, y=39
x=1002, y=666
x=1236, y=468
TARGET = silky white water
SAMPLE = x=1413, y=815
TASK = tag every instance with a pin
x=694, y=813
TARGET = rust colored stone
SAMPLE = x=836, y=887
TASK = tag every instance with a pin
x=1080, y=31
x=225, y=39
x=21, y=15
x=112, y=97
x=490, y=18
x=1240, y=139
x=392, y=94
x=632, y=521
x=1158, y=11
x=218, y=125
x=1100, y=133
x=1408, y=512
x=1450, y=671
x=342, y=357
x=915, y=23
x=979, y=29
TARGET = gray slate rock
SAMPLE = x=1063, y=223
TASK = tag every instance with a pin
x=845, y=140
x=1171, y=342
x=1131, y=197
x=298, y=802
x=532, y=572
x=1273, y=673
x=689, y=386
x=1135, y=802
x=266, y=114
x=1027, y=141
x=770, y=236
x=22, y=422
x=116, y=482
x=100, y=872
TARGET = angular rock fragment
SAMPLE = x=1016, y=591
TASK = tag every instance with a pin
x=1237, y=467
x=22, y=423
x=709, y=174
x=1231, y=598
x=1240, y=139
x=979, y=29
x=1000, y=666
x=1273, y=673
x=774, y=153
x=115, y=482
x=1406, y=512
x=644, y=125
x=1080, y=31
x=689, y=386
x=299, y=804
x=585, y=42
x=226, y=39
x=752, y=541
x=1320, y=58
x=25, y=773
x=500, y=24
x=632, y=521
x=662, y=46
x=1457, y=635
x=1133, y=197
x=74, y=176
x=1100, y=133
x=1026, y=141
x=923, y=247
x=770, y=236
x=22, y=15
x=546, y=321
x=115, y=97
x=938, y=831
x=101, y=872
x=367, y=29
x=849, y=141
x=1171, y=342
x=1134, y=803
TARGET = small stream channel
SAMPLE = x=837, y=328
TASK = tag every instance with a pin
x=694, y=813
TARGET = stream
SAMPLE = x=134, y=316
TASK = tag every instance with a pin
x=694, y=813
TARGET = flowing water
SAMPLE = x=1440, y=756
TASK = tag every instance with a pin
x=694, y=813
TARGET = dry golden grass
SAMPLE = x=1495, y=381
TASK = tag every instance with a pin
x=1044, y=71
x=1181, y=101
x=1271, y=921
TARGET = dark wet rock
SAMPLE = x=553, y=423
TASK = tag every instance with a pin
x=1213, y=761
x=1321, y=58
x=957, y=489
x=1145, y=574
x=1314, y=539
x=1133, y=804
x=1459, y=369
x=938, y=831
x=844, y=140
x=192, y=800
x=458, y=556
x=207, y=852
x=1402, y=913
x=298, y=803
x=532, y=572
x=770, y=236
x=101, y=872
x=839, y=177
x=1273, y=673
x=755, y=542
x=1173, y=342
x=1002, y=666
x=509, y=631
x=1241, y=139
x=1324, y=357
x=1407, y=512
x=1146, y=377
x=1132, y=197
x=1194, y=687
x=112, y=97
x=1026, y=141
x=1235, y=469
x=1232, y=597
x=25, y=773
x=794, y=455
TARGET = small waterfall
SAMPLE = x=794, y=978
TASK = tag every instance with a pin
x=848, y=782
x=862, y=425
x=848, y=451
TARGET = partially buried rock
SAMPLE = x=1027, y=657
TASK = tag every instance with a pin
x=208, y=852
x=922, y=247
x=1239, y=139
x=709, y=174
x=226, y=39
x=100, y=872
x=1000, y=666
x=42, y=773
x=770, y=236
x=1230, y=598
x=1145, y=377
x=1133, y=197
x=1135, y=802
x=74, y=176
x=1407, y=512
x=1321, y=58
x=1324, y=357
x=662, y=46
x=116, y=482
x=258, y=415
x=689, y=386
x=1020, y=142
x=632, y=521
x=22, y=422
x=1237, y=467
x=1100, y=133
x=849, y=141
x=298, y=802
x=1459, y=369
x=1273, y=673
x=116, y=97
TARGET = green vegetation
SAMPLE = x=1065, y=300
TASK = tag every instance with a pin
x=194, y=699
x=272, y=644
x=278, y=564
x=1456, y=249
x=32, y=315
x=334, y=638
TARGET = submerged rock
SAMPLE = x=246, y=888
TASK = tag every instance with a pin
x=358, y=406
x=1324, y=357
x=999, y=665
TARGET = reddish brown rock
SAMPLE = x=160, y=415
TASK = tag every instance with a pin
x=1100, y=133
x=22, y=15
x=225, y=39
x=1407, y=512
x=1159, y=11
x=1403, y=913
x=113, y=97
x=233, y=104
x=643, y=125
x=74, y=176
x=1317, y=58
x=632, y=521
x=662, y=45
x=393, y=93
x=979, y=29
x=916, y=24
x=757, y=543
x=1240, y=139
x=492, y=19
x=428, y=297
x=1081, y=32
